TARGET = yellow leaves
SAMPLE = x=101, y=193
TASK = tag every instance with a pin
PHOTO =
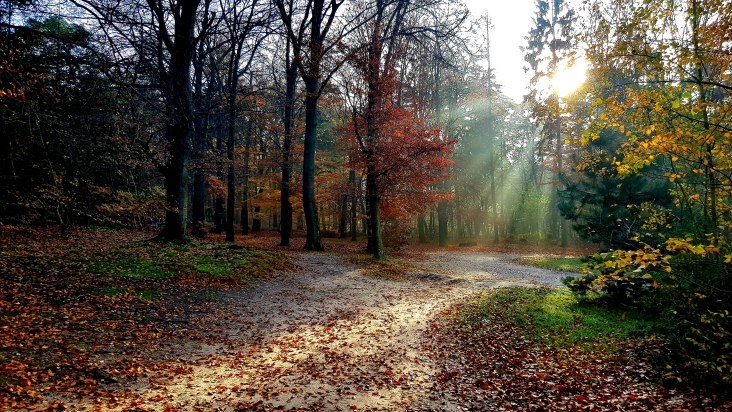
x=674, y=158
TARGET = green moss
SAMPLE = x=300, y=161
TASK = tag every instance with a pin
x=135, y=268
x=4, y=313
x=555, y=317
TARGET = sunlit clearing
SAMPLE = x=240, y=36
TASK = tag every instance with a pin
x=570, y=78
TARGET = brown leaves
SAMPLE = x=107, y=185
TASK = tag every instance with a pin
x=492, y=364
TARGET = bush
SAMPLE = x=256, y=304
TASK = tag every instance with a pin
x=579, y=285
x=688, y=289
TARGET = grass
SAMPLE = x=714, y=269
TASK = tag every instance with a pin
x=4, y=380
x=200, y=264
x=563, y=264
x=133, y=268
x=555, y=317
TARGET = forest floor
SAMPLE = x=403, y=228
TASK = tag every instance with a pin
x=331, y=331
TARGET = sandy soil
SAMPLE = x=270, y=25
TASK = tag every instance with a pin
x=325, y=338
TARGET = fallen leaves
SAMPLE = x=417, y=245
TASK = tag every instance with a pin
x=314, y=341
x=492, y=366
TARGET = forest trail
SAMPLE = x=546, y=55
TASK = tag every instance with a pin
x=330, y=338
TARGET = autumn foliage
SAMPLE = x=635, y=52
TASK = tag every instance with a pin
x=390, y=138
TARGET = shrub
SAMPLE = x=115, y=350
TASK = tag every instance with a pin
x=579, y=285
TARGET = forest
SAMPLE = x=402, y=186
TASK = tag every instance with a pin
x=377, y=127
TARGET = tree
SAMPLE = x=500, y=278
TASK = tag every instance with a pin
x=669, y=105
x=550, y=42
x=66, y=157
x=402, y=154
x=164, y=42
x=246, y=27
x=292, y=51
x=315, y=25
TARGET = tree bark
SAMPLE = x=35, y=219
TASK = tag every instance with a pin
x=220, y=201
x=257, y=222
x=313, y=240
x=354, y=204
x=285, y=205
x=422, y=229
x=176, y=178
x=375, y=243
x=344, y=211
x=245, y=182
x=231, y=189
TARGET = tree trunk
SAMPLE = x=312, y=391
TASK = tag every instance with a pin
x=245, y=182
x=244, y=218
x=375, y=243
x=285, y=206
x=219, y=202
x=442, y=223
x=313, y=238
x=290, y=88
x=200, y=144
x=257, y=222
x=354, y=203
x=422, y=229
x=176, y=176
x=231, y=189
x=344, y=212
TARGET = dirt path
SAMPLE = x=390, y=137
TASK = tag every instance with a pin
x=327, y=338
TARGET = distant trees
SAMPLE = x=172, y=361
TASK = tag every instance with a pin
x=550, y=44
x=62, y=158
x=215, y=105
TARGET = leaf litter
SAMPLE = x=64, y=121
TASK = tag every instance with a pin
x=320, y=336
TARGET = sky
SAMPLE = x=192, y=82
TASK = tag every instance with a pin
x=512, y=21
